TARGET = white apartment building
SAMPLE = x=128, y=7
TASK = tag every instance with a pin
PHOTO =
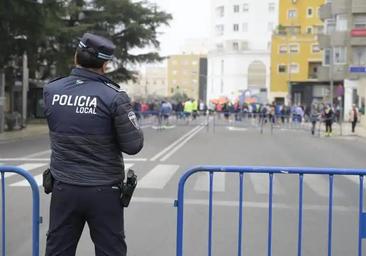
x=239, y=55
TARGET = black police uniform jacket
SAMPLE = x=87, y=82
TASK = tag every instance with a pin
x=91, y=123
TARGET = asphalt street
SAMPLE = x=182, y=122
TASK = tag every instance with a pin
x=168, y=153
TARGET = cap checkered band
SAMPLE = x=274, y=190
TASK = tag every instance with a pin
x=82, y=45
x=104, y=56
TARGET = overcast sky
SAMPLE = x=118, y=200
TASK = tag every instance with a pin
x=190, y=20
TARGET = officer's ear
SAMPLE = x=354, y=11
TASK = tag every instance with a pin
x=105, y=67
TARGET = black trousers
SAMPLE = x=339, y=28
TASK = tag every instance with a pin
x=72, y=207
x=354, y=125
x=328, y=126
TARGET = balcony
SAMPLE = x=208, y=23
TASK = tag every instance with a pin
x=358, y=6
x=340, y=72
x=324, y=41
x=339, y=38
x=358, y=37
x=325, y=11
x=340, y=6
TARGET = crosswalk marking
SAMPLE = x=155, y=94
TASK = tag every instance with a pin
x=320, y=185
x=25, y=183
x=260, y=183
x=28, y=167
x=39, y=179
x=203, y=182
x=353, y=178
x=158, y=177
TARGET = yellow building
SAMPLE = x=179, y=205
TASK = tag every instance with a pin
x=185, y=74
x=295, y=55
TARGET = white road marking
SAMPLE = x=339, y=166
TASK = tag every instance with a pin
x=128, y=166
x=47, y=159
x=260, y=183
x=28, y=167
x=203, y=182
x=158, y=177
x=175, y=149
x=38, y=154
x=247, y=204
x=353, y=178
x=231, y=128
x=39, y=179
x=25, y=183
x=165, y=150
x=320, y=185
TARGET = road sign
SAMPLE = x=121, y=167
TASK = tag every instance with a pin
x=356, y=69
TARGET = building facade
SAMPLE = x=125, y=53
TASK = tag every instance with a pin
x=239, y=55
x=187, y=74
x=150, y=83
x=296, y=56
x=344, y=44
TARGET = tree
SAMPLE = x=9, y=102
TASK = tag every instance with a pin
x=129, y=24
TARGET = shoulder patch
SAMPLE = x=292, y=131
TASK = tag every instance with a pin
x=114, y=87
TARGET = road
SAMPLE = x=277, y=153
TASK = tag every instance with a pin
x=151, y=217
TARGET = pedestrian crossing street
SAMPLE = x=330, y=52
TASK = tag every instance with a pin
x=159, y=176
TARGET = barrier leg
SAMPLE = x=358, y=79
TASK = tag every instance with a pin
x=360, y=217
x=330, y=214
x=3, y=217
x=240, y=215
x=210, y=216
x=301, y=189
x=270, y=214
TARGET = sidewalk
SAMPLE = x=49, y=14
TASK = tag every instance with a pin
x=347, y=130
x=30, y=131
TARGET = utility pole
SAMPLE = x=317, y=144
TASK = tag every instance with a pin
x=2, y=100
x=331, y=67
x=25, y=88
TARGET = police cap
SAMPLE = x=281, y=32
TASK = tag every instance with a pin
x=102, y=47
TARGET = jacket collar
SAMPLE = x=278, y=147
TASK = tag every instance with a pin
x=82, y=72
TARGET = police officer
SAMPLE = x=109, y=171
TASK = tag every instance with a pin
x=91, y=123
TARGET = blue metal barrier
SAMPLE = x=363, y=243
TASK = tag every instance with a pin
x=271, y=171
x=36, y=219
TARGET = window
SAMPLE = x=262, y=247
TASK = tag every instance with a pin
x=235, y=46
x=340, y=55
x=282, y=68
x=341, y=22
x=220, y=11
x=330, y=26
x=359, y=21
x=245, y=7
x=270, y=26
x=283, y=49
x=219, y=46
x=315, y=48
x=309, y=30
x=326, y=60
x=294, y=68
x=236, y=27
x=219, y=30
x=294, y=48
x=309, y=12
x=271, y=7
x=236, y=8
x=318, y=30
x=291, y=14
x=245, y=27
